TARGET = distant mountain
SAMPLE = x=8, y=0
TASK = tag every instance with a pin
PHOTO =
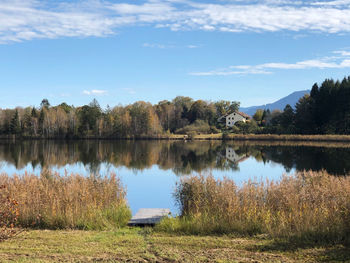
x=291, y=99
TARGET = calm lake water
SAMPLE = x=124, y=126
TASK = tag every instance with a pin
x=150, y=169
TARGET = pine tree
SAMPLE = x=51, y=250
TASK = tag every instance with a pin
x=34, y=113
x=15, y=125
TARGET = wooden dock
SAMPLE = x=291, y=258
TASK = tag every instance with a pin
x=148, y=216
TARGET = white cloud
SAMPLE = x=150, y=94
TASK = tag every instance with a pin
x=193, y=46
x=167, y=46
x=22, y=20
x=340, y=60
x=333, y=3
x=155, y=45
x=342, y=53
x=64, y=95
x=229, y=71
x=129, y=91
x=95, y=92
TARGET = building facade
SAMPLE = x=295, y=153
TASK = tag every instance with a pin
x=234, y=117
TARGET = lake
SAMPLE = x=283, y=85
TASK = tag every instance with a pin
x=151, y=169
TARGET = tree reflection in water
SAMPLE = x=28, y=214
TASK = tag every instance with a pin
x=180, y=157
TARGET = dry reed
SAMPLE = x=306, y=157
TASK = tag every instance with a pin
x=9, y=213
x=309, y=206
x=69, y=201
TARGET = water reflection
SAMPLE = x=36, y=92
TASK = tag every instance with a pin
x=180, y=157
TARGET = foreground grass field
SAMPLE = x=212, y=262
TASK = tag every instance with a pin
x=142, y=245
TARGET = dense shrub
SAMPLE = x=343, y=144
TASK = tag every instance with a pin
x=198, y=127
x=246, y=127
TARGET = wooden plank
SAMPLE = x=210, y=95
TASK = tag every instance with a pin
x=148, y=216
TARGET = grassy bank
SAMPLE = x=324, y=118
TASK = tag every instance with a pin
x=136, y=245
x=306, y=208
x=273, y=137
x=165, y=136
x=288, y=137
x=323, y=144
x=69, y=201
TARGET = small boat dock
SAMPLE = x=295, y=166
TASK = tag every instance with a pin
x=148, y=216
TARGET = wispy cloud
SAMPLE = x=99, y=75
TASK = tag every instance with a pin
x=332, y=3
x=339, y=59
x=192, y=46
x=168, y=46
x=65, y=95
x=22, y=20
x=95, y=92
x=129, y=91
x=156, y=45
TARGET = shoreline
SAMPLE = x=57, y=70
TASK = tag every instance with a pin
x=204, y=137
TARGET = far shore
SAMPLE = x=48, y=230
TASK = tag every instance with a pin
x=203, y=137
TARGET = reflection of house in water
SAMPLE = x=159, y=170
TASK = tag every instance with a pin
x=234, y=157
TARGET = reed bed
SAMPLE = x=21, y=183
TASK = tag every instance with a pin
x=308, y=207
x=69, y=201
x=8, y=215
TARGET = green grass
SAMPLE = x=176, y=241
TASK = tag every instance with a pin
x=144, y=245
x=207, y=225
x=108, y=218
x=289, y=137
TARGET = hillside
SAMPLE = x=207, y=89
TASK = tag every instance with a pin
x=291, y=99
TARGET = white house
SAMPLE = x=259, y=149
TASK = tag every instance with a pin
x=232, y=118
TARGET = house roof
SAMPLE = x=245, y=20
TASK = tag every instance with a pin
x=238, y=112
x=243, y=115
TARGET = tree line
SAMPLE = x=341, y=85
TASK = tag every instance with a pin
x=140, y=119
x=326, y=110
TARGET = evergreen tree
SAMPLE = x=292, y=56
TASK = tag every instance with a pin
x=15, y=125
x=34, y=114
x=45, y=104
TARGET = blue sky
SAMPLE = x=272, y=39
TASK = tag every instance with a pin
x=123, y=51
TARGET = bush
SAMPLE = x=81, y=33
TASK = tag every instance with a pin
x=235, y=129
x=8, y=215
x=247, y=127
x=199, y=126
x=55, y=202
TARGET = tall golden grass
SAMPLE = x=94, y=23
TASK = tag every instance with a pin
x=309, y=206
x=8, y=215
x=68, y=201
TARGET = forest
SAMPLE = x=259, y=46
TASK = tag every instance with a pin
x=139, y=119
x=325, y=111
